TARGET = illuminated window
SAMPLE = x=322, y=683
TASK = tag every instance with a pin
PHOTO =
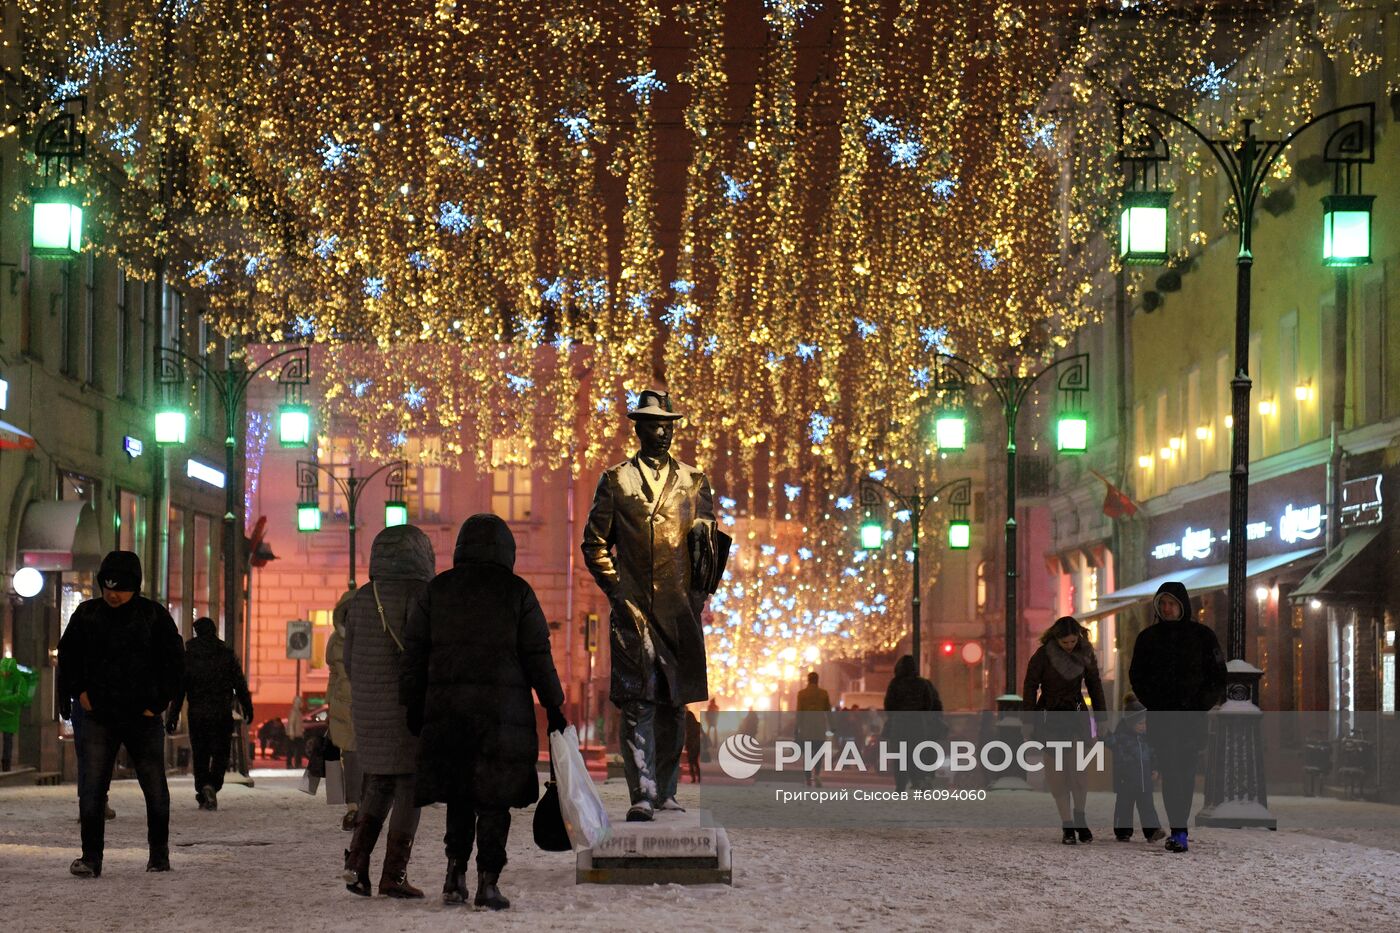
x=423, y=481
x=511, y=479
x=982, y=585
x=321, y=626
x=131, y=522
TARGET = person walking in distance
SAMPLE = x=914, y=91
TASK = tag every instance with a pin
x=651, y=525
x=296, y=733
x=122, y=660
x=213, y=681
x=341, y=727
x=813, y=724
x=475, y=647
x=1057, y=676
x=1178, y=672
x=914, y=714
x=401, y=563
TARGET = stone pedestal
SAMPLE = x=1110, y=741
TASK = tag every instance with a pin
x=1237, y=792
x=675, y=848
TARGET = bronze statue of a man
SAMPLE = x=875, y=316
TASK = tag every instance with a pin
x=649, y=543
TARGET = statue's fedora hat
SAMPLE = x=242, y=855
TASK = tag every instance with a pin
x=653, y=404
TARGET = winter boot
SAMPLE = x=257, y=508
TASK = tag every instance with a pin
x=159, y=861
x=1081, y=826
x=454, y=886
x=1177, y=841
x=211, y=797
x=108, y=813
x=1068, y=838
x=356, y=874
x=83, y=868
x=393, y=880
x=487, y=894
x=1123, y=835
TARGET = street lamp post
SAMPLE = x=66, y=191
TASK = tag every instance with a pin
x=916, y=502
x=1012, y=388
x=1236, y=773
x=232, y=386
x=350, y=486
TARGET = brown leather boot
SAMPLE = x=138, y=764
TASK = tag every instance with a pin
x=393, y=880
x=356, y=874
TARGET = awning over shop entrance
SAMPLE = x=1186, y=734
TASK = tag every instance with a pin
x=59, y=536
x=1197, y=581
x=1349, y=572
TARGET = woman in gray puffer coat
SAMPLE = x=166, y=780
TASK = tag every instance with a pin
x=401, y=563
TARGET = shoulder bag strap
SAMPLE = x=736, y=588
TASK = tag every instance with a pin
x=374, y=587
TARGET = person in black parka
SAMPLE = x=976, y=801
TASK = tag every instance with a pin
x=476, y=644
x=213, y=680
x=917, y=717
x=1178, y=673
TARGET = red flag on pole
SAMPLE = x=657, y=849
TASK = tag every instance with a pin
x=1116, y=503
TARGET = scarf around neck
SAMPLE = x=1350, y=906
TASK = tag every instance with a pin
x=1069, y=665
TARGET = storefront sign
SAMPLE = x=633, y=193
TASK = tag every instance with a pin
x=204, y=473
x=1297, y=523
x=133, y=446
x=1361, y=502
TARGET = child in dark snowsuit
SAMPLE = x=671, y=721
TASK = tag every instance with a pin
x=1133, y=774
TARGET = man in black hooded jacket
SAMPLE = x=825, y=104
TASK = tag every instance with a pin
x=1178, y=673
x=213, y=680
x=121, y=659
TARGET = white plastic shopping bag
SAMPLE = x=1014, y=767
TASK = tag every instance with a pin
x=584, y=816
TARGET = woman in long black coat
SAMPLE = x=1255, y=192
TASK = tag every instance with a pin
x=916, y=717
x=476, y=644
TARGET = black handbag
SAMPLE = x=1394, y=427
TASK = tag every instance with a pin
x=550, y=833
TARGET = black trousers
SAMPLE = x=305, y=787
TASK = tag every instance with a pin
x=1124, y=803
x=1177, y=739
x=490, y=828
x=144, y=738
x=209, y=747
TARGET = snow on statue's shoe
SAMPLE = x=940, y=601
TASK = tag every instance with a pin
x=641, y=812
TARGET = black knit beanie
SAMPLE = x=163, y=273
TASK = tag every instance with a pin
x=120, y=571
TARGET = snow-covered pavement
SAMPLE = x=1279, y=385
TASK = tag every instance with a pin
x=269, y=860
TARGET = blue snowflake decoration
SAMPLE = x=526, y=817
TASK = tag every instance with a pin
x=711, y=345
x=934, y=338
x=374, y=286
x=639, y=301
x=845, y=503
x=208, y=269
x=562, y=342
x=592, y=293
x=604, y=405
x=179, y=10
x=519, y=384
x=326, y=246
x=727, y=503
x=943, y=188
x=791, y=491
x=676, y=314
x=734, y=189
x=807, y=351
x=1036, y=133
x=682, y=286
x=632, y=399
x=531, y=328
x=70, y=87
x=359, y=387
x=642, y=86
x=904, y=150
x=552, y=291
x=1214, y=81
x=576, y=125
x=919, y=375
x=464, y=145
x=804, y=553
x=451, y=218
x=122, y=138
x=420, y=262
x=879, y=475
x=819, y=427
x=416, y=397
x=866, y=329
x=774, y=359
x=304, y=325
x=334, y=153
x=106, y=55
x=398, y=439
x=986, y=257
x=254, y=264
x=768, y=550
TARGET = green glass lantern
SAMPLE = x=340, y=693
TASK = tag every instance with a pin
x=395, y=513
x=1346, y=229
x=1143, y=227
x=959, y=534
x=171, y=426
x=58, y=222
x=872, y=535
x=950, y=430
x=1072, y=432
x=308, y=517
x=294, y=425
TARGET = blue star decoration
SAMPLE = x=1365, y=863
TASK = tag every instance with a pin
x=904, y=149
x=727, y=503
x=374, y=286
x=943, y=188
x=866, y=329
x=179, y=10
x=986, y=257
x=326, y=245
x=604, y=405
x=104, y=55
x=334, y=153
x=304, y=326
x=398, y=439
x=845, y=503
x=642, y=86
x=806, y=351
x=632, y=399
x=677, y=314
x=69, y=87
x=416, y=397
x=552, y=291
x=420, y=262
x=122, y=138
x=208, y=270
x=791, y=491
x=933, y=338
x=639, y=301
x=1214, y=81
x=451, y=218
x=878, y=475
x=519, y=384
x=562, y=342
x=819, y=427
x=734, y=189
x=465, y=145
x=682, y=287
x=711, y=345
x=1036, y=133
x=576, y=125
x=919, y=376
